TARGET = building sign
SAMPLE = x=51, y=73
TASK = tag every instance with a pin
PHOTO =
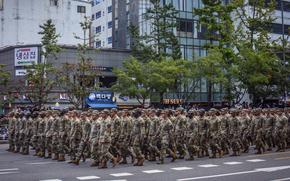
x=21, y=72
x=26, y=56
x=103, y=69
x=173, y=101
x=101, y=99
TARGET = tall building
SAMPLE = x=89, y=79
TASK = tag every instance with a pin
x=20, y=20
x=102, y=23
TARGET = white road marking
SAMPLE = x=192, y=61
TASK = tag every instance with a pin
x=51, y=180
x=39, y=163
x=208, y=165
x=233, y=163
x=4, y=173
x=121, y=174
x=88, y=177
x=214, y=176
x=282, y=179
x=181, y=168
x=153, y=171
x=9, y=169
x=255, y=160
x=115, y=180
x=269, y=169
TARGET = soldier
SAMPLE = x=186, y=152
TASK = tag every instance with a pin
x=192, y=135
x=181, y=126
x=215, y=134
x=48, y=134
x=259, y=141
x=27, y=133
x=282, y=126
x=164, y=133
x=106, y=140
x=204, y=133
x=63, y=136
x=116, y=132
x=11, y=129
x=235, y=127
x=41, y=134
x=270, y=126
x=94, y=138
x=86, y=131
x=55, y=135
x=35, y=136
x=153, y=140
x=75, y=136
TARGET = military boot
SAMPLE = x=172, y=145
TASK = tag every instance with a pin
x=55, y=156
x=103, y=164
x=161, y=161
x=61, y=158
x=114, y=161
x=94, y=163
x=77, y=161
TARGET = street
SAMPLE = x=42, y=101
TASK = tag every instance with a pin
x=270, y=166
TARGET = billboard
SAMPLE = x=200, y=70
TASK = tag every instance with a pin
x=25, y=56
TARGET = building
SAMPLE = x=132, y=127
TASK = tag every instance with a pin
x=20, y=20
x=17, y=57
x=102, y=23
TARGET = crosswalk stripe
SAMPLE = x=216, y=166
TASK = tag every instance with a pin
x=88, y=177
x=9, y=169
x=233, y=163
x=255, y=160
x=51, y=180
x=39, y=163
x=153, y=171
x=115, y=180
x=282, y=179
x=181, y=168
x=121, y=174
x=4, y=173
x=208, y=165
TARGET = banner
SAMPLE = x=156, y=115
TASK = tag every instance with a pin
x=25, y=56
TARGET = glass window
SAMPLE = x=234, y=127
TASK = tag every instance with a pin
x=98, y=44
x=109, y=9
x=52, y=3
x=98, y=14
x=110, y=40
x=98, y=29
x=1, y=4
x=81, y=9
x=189, y=5
x=98, y=1
x=203, y=85
x=93, y=16
x=110, y=24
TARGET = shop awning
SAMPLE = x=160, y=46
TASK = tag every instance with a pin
x=91, y=105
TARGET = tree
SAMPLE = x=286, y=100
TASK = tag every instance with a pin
x=216, y=18
x=161, y=38
x=78, y=79
x=133, y=80
x=4, y=75
x=41, y=77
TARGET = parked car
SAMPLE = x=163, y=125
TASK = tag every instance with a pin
x=3, y=133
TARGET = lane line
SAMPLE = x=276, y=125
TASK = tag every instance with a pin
x=267, y=154
x=4, y=173
x=39, y=163
x=181, y=168
x=220, y=175
x=9, y=169
x=88, y=177
x=115, y=180
x=51, y=180
x=208, y=166
x=282, y=179
x=255, y=160
x=152, y=171
x=233, y=163
x=124, y=174
x=282, y=158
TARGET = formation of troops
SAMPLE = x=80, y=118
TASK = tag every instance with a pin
x=121, y=136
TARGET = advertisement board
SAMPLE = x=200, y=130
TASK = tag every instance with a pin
x=101, y=99
x=25, y=56
x=20, y=72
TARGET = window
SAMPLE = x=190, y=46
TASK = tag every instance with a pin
x=1, y=4
x=81, y=9
x=52, y=3
x=93, y=16
x=109, y=9
x=98, y=29
x=98, y=14
x=98, y=44
x=98, y=1
x=110, y=24
x=110, y=40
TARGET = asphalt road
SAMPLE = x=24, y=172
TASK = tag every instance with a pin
x=267, y=167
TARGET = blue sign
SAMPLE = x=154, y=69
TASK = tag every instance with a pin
x=101, y=99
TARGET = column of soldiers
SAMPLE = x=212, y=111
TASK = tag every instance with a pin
x=146, y=134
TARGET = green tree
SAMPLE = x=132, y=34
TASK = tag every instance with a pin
x=41, y=77
x=4, y=75
x=78, y=79
x=161, y=38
